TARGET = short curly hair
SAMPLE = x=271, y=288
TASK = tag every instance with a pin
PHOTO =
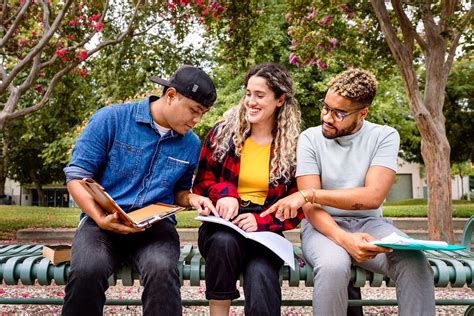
x=355, y=84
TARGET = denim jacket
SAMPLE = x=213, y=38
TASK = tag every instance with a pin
x=122, y=150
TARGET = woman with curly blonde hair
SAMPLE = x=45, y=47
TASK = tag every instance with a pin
x=247, y=164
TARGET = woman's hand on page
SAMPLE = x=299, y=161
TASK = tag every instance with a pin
x=227, y=207
x=112, y=223
x=246, y=222
x=202, y=204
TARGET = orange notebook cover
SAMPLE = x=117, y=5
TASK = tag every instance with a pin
x=142, y=217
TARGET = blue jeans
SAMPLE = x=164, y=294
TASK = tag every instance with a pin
x=97, y=253
x=228, y=254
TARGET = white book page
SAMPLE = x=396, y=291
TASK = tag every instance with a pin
x=276, y=243
x=396, y=239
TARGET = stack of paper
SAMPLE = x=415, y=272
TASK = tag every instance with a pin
x=396, y=241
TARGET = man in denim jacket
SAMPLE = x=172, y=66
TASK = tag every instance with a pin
x=141, y=153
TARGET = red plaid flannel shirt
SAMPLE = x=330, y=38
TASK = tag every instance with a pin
x=217, y=180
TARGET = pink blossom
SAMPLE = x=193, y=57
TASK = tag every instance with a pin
x=199, y=2
x=325, y=21
x=312, y=15
x=23, y=42
x=321, y=65
x=83, y=73
x=344, y=8
x=94, y=17
x=39, y=88
x=60, y=294
x=293, y=59
x=294, y=42
x=205, y=11
x=72, y=23
x=81, y=55
x=220, y=8
x=99, y=26
x=2, y=291
x=61, y=52
x=333, y=42
x=70, y=37
x=171, y=6
x=34, y=33
x=25, y=295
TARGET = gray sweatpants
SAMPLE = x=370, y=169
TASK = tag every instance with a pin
x=332, y=267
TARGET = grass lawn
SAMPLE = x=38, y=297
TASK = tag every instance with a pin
x=14, y=217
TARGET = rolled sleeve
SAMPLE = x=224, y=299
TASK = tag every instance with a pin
x=73, y=173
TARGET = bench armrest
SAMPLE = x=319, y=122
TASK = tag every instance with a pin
x=467, y=233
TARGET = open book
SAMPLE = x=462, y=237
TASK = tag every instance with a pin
x=395, y=241
x=282, y=247
x=143, y=217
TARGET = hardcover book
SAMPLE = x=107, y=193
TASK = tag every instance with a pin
x=143, y=217
x=57, y=254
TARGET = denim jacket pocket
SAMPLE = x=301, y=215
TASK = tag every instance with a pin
x=125, y=159
x=174, y=170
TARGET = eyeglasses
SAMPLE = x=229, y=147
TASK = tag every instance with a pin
x=337, y=115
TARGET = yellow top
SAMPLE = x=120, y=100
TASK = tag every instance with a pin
x=254, y=172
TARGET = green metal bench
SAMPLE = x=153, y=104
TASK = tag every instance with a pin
x=25, y=264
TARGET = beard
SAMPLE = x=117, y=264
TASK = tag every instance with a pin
x=340, y=132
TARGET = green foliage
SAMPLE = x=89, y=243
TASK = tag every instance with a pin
x=459, y=110
x=38, y=144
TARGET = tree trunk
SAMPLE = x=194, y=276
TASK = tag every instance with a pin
x=3, y=163
x=39, y=188
x=436, y=157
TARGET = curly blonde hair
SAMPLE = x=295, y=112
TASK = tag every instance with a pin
x=356, y=84
x=234, y=128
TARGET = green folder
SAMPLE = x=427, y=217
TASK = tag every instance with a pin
x=396, y=241
x=419, y=247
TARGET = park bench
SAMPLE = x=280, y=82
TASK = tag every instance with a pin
x=25, y=264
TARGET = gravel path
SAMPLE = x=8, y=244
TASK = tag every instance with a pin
x=194, y=292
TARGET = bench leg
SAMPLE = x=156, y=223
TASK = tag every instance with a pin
x=354, y=294
x=469, y=311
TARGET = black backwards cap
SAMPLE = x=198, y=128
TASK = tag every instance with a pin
x=193, y=83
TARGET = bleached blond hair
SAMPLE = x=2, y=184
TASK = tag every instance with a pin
x=355, y=84
x=235, y=127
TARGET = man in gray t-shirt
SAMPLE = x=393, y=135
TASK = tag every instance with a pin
x=345, y=169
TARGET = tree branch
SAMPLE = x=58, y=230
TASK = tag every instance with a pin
x=432, y=30
x=5, y=117
x=409, y=31
x=46, y=14
x=32, y=75
x=15, y=24
x=4, y=11
x=38, y=47
x=47, y=94
x=457, y=37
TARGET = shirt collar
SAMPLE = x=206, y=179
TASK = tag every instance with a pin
x=143, y=114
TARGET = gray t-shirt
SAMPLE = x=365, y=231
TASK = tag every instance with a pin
x=343, y=162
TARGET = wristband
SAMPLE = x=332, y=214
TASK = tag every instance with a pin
x=304, y=196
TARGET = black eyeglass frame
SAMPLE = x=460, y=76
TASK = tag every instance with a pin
x=338, y=115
